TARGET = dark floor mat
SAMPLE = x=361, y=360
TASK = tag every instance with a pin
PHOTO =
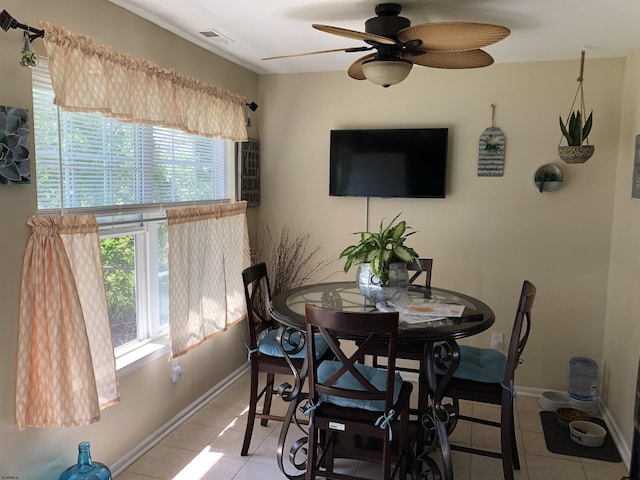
x=559, y=441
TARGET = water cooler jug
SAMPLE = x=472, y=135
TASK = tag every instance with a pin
x=583, y=378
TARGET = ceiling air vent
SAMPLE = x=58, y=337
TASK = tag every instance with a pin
x=215, y=36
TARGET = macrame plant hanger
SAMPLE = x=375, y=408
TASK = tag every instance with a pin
x=575, y=124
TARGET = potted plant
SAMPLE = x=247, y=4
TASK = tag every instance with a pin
x=575, y=131
x=28, y=57
x=382, y=257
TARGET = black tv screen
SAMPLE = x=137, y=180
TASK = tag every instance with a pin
x=409, y=163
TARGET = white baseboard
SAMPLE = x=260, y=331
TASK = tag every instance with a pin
x=616, y=435
x=122, y=463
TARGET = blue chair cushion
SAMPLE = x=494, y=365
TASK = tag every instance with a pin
x=484, y=365
x=376, y=376
x=268, y=345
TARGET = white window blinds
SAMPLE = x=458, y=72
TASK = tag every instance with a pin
x=87, y=160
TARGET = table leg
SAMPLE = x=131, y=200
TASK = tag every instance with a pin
x=439, y=419
x=297, y=452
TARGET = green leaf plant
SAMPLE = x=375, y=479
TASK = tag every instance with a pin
x=381, y=248
x=574, y=131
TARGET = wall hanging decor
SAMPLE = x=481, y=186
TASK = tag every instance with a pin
x=249, y=172
x=576, y=128
x=548, y=178
x=491, y=150
x=14, y=145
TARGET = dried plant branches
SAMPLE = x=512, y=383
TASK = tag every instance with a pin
x=290, y=261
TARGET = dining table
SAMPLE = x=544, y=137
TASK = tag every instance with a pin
x=450, y=316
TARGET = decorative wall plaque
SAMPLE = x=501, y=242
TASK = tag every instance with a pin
x=491, y=153
x=249, y=172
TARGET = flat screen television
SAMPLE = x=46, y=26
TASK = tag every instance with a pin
x=410, y=163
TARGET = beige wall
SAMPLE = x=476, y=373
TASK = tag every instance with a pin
x=622, y=333
x=148, y=398
x=488, y=234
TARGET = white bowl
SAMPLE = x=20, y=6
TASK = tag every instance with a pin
x=552, y=401
x=587, y=433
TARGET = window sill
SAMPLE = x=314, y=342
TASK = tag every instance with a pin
x=136, y=359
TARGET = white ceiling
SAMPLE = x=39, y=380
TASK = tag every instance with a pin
x=540, y=29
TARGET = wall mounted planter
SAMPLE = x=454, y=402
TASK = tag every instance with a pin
x=548, y=178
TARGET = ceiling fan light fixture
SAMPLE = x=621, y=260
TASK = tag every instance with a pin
x=386, y=72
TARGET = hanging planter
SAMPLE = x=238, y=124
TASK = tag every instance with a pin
x=576, y=128
x=28, y=58
x=576, y=154
x=548, y=178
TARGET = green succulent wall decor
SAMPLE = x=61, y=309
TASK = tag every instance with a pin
x=14, y=146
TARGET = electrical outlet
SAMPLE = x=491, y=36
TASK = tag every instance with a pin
x=496, y=341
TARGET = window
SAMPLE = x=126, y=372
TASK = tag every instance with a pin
x=126, y=174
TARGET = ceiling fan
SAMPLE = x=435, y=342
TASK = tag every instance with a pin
x=398, y=46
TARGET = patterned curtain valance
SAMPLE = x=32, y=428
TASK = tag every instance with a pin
x=88, y=77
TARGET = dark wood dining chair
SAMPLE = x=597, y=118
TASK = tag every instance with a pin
x=421, y=267
x=264, y=352
x=350, y=401
x=487, y=376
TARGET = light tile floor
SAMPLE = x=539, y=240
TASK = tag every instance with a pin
x=207, y=447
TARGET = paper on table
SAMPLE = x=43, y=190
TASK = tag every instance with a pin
x=422, y=312
x=409, y=318
x=433, y=310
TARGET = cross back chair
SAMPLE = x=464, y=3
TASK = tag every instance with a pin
x=349, y=400
x=421, y=267
x=264, y=351
x=486, y=375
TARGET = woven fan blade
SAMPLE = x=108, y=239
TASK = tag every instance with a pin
x=453, y=36
x=354, y=34
x=350, y=49
x=453, y=60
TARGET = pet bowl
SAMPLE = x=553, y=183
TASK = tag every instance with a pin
x=552, y=401
x=586, y=433
x=567, y=415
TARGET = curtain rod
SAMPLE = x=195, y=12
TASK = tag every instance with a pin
x=7, y=22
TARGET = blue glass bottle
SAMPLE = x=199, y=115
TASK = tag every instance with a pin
x=86, y=469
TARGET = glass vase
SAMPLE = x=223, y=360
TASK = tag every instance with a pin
x=86, y=469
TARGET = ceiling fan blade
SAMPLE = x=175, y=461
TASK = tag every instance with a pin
x=353, y=34
x=453, y=36
x=348, y=50
x=454, y=60
x=355, y=70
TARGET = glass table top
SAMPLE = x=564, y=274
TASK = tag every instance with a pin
x=476, y=316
